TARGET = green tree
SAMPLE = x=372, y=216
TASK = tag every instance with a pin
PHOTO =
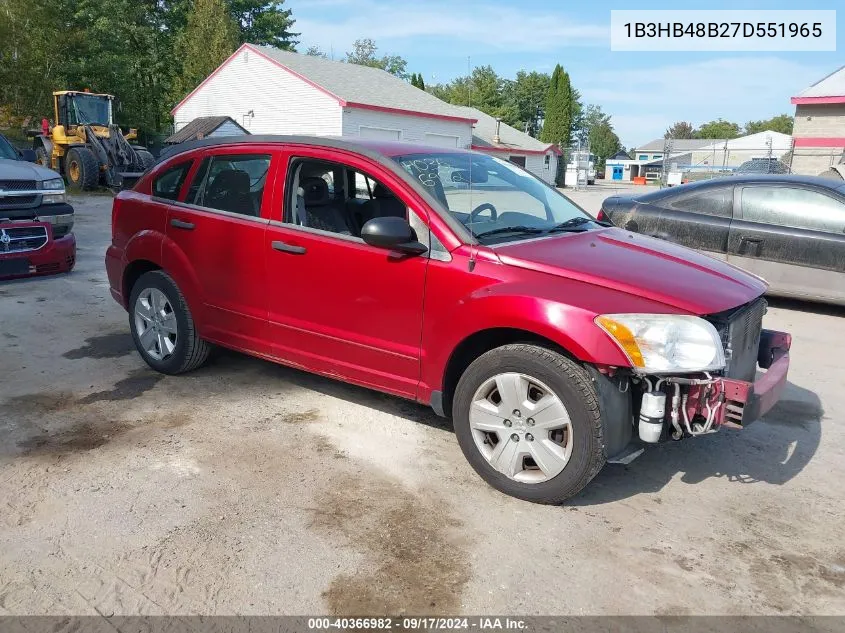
x=781, y=123
x=603, y=142
x=557, y=127
x=680, y=129
x=210, y=36
x=524, y=97
x=315, y=51
x=718, y=129
x=592, y=117
x=262, y=22
x=417, y=81
x=363, y=53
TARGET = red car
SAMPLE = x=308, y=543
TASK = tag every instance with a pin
x=555, y=342
x=35, y=219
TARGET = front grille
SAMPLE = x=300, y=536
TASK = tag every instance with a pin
x=17, y=185
x=17, y=240
x=17, y=201
x=740, y=332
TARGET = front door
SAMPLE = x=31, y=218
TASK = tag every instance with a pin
x=793, y=237
x=218, y=229
x=339, y=306
x=617, y=172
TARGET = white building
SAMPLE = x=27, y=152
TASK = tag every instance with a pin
x=269, y=91
x=697, y=155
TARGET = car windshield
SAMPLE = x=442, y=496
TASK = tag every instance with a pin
x=494, y=199
x=90, y=109
x=6, y=149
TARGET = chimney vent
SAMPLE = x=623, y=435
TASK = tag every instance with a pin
x=496, y=138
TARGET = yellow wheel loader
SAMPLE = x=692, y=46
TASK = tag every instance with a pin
x=86, y=146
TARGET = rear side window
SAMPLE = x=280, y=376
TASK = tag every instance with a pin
x=233, y=183
x=169, y=183
x=793, y=207
x=718, y=202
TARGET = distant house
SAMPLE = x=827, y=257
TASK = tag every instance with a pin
x=696, y=155
x=819, y=128
x=206, y=127
x=491, y=136
x=278, y=92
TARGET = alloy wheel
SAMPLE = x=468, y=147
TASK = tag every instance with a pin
x=155, y=323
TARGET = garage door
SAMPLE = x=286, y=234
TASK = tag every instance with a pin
x=380, y=133
x=441, y=140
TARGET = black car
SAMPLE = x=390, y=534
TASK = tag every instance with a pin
x=762, y=166
x=788, y=229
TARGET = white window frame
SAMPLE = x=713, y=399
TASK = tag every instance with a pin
x=381, y=129
x=450, y=136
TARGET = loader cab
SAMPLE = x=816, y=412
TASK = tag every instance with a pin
x=83, y=108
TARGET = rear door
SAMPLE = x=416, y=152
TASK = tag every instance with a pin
x=793, y=236
x=699, y=218
x=218, y=227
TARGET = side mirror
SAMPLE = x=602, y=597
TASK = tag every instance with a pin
x=28, y=155
x=393, y=233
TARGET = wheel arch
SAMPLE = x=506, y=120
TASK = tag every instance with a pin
x=481, y=342
x=133, y=272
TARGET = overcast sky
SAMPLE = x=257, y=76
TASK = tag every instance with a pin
x=643, y=92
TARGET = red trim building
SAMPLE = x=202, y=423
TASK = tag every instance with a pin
x=269, y=91
x=819, y=129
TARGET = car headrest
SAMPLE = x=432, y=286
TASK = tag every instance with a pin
x=230, y=180
x=380, y=191
x=315, y=191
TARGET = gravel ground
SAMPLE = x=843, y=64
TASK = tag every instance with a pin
x=250, y=488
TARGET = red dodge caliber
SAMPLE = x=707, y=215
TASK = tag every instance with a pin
x=555, y=342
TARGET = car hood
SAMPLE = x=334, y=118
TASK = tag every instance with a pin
x=639, y=265
x=23, y=170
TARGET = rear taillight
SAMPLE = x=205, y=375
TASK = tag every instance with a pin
x=602, y=216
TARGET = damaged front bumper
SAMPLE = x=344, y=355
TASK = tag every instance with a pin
x=737, y=403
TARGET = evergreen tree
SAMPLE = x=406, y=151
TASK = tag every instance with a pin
x=557, y=127
x=263, y=22
x=210, y=36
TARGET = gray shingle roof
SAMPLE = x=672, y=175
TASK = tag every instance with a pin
x=509, y=138
x=200, y=128
x=831, y=86
x=352, y=83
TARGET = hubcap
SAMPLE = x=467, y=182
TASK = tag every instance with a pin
x=155, y=323
x=73, y=168
x=521, y=427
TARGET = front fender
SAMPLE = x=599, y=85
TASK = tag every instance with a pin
x=512, y=306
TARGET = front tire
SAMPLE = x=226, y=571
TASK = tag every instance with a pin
x=82, y=169
x=145, y=159
x=162, y=326
x=527, y=419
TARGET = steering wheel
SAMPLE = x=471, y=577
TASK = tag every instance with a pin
x=483, y=207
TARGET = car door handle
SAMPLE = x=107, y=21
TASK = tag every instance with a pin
x=288, y=248
x=750, y=244
x=181, y=224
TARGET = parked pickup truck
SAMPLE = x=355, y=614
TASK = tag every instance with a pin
x=787, y=229
x=554, y=342
x=35, y=219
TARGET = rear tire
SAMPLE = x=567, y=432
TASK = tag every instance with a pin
x=82, y=169
x=41, y=157
x=567, y=457
x=162, y=326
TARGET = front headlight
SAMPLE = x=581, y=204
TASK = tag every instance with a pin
x=52, y=198
x=665, y=343
x=55, y=183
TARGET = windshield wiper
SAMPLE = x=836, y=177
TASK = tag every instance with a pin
x=511, y=229
x=571, y=224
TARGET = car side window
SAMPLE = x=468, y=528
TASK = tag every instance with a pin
x=718, y=202
x=793, y=207
x=234, y=183
x=169, y=183
x=317, y=199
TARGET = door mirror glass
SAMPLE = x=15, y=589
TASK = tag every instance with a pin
x=392, y=232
